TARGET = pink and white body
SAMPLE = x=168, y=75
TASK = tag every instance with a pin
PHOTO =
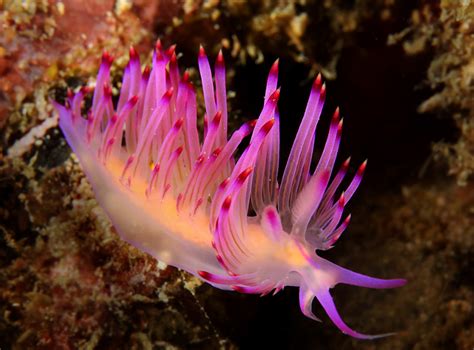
x=186, y=200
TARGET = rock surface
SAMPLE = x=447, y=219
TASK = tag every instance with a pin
x=403, y=75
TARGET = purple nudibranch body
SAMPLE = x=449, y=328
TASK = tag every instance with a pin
x=185, y=200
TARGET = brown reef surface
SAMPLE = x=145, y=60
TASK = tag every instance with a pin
x=402, y=73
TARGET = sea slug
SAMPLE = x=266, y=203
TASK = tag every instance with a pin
x=185, y=199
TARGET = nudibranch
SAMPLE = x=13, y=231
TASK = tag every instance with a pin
x=187, y=201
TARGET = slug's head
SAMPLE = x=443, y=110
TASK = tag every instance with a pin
x=292, y=261
x=274, y=257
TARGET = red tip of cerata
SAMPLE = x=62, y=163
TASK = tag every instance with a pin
x=342, y=201
x=85, y=90
x=322, y=95
x=107, y=90
x=345, y=165
x=318, y=82
x=107, y=58
x=216, y=152
x=335, y=116
x=217, y=118
x=146, y=72
x=362, y=167
x=134, y=100
x=227, y=203
x=220, y=59
x=173, y=60
x=252, y=123
x=275, y=95
x=244, y=174
x=169, y=93
x=274, y=69
x=179, y=123
x=202, y=52
x=238, y=289
x=171, y=50
x=186, y=76
x=268, y=125
x=158, y=45
x=133, y=53
x=204, y=274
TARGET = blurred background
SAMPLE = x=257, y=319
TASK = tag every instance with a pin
x=402, y=73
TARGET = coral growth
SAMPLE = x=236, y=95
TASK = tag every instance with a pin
x=67, y=282
x=44, y=41
x=446, y=29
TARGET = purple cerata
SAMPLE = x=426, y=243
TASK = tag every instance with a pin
x=187, y=201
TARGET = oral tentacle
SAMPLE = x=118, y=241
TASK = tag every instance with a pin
x=306, y=298
x=326, y=300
